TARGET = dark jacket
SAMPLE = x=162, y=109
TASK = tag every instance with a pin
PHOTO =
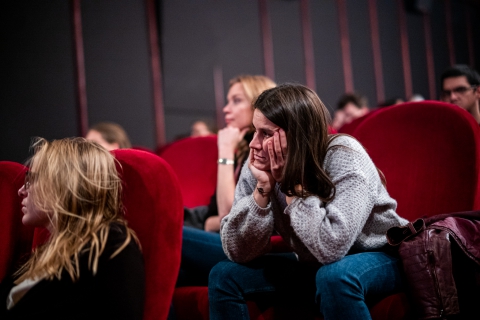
x=117, y=291
x=431, y=261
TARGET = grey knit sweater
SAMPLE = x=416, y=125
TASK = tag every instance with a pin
x=358, y=216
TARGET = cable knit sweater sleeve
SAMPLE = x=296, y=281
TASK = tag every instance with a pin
x=247, y=229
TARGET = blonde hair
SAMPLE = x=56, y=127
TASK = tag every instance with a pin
x=253, y=86
x=75, y=182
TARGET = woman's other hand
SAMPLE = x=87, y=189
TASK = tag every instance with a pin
x=228, y=139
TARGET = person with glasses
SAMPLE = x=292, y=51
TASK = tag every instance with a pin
x=461, y=86
x=91, y=266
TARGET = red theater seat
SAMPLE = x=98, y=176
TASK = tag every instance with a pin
x=194, y=161
x=430, y=154
x=154, y=209
x=15, y=238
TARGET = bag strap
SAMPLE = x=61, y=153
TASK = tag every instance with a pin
x=396, y=235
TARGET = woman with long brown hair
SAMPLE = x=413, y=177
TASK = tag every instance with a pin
x=91, y=265
x=325, y=197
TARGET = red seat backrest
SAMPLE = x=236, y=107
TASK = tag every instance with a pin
x=429, y=152
x=154, y=209
x=194, y=160
x=15, y=238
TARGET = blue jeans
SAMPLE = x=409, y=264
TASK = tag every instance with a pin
x=201, y=250
x=341, y=290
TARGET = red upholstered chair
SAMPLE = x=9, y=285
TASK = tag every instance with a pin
x=154, y=210
x=429, y=152
x=331, y=130
x=194, y=161
x=15, y=238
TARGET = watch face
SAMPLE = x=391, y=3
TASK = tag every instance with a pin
x=225, y=161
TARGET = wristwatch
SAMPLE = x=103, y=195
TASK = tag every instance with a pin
x=225, y=161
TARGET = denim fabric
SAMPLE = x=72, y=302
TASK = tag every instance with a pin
x=340, y=290
x=201, y=250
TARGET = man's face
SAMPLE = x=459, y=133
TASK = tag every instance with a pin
x=458, y=91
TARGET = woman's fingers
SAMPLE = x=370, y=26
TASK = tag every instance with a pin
x=283, y=142
x=277, y=151
x=278, y=147
x=229, y=137
x=271, y=154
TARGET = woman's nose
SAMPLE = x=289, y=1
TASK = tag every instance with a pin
x=22, y=192
x=255, y=144
x=226, y=109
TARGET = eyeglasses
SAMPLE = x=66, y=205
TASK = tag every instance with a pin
x=28, y=179
x=457, y=91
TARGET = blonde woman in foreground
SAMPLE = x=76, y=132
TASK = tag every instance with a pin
x=91, y=266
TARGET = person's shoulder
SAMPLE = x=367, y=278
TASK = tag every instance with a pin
x=343, y=140
x=117, y=235
x=118, y=231
x=344, y=153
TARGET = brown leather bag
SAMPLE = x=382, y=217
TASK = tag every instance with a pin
x=431, y=261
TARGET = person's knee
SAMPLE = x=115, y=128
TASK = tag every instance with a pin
x=357, y=274
x=329, y=276
x=336, y=278
x=221, y=273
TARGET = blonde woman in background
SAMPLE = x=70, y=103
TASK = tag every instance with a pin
x=201, y=250
x=91, y=265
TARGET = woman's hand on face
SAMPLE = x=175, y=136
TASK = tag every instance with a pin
x=229, y=137
x=277, y=151
x=264, y=178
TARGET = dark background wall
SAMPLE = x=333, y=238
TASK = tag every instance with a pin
x=201, y=40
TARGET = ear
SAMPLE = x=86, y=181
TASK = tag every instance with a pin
x=477, y=92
